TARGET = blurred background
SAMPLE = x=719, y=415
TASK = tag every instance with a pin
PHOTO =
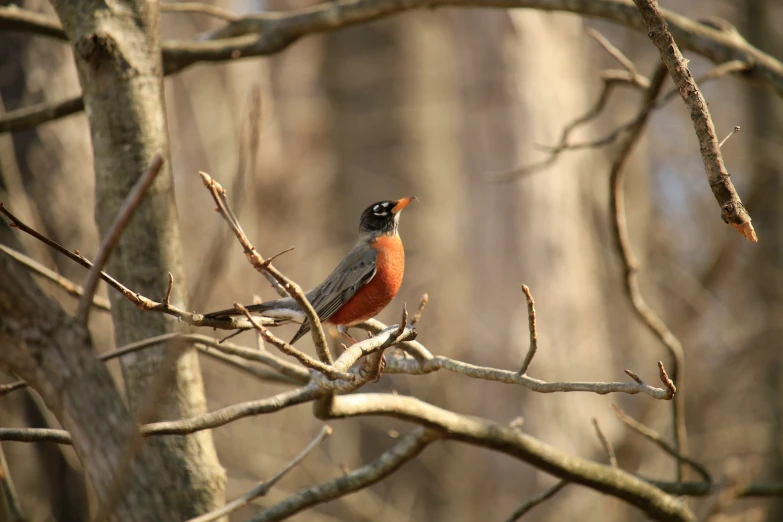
x=432, y=104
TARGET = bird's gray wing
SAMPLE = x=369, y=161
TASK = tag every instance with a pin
x=354, y=271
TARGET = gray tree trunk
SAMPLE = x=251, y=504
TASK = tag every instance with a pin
x=117, y=54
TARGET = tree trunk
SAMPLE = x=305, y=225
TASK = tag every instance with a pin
x=45, y=347
x=117, y=54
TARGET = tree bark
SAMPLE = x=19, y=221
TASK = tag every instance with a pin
x=117, y=52
x=45, y=347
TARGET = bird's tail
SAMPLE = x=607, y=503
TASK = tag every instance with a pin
x=273, y=313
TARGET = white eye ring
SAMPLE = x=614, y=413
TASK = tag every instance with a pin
x=379, y=210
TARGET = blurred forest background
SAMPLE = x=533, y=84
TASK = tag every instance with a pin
x=434, y=103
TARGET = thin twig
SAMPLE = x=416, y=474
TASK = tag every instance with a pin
x=289, y=372
x=538, y=499
x=631, y=265
x=723, y=189
x=113, y=235
x=417, y=316
x=531, y=325
x=8, y=492
x=655, y=437
x=262, y=266
x=263, y=487
x=200, y=8
x=734, y=131
x=140, y=301
x=439, y=362
x=66, y=284
x=207, y=421
x=606, y=443
x=617, y=54
x=326, y=369
x=387, y=463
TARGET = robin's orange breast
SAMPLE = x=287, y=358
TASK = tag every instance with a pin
x=373, y=297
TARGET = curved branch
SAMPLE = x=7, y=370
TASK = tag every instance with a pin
x=386, y=464
x=513, y=442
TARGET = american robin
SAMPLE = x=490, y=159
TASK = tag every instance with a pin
x=362, y=285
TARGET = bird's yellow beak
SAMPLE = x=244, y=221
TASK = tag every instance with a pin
x=402, y=203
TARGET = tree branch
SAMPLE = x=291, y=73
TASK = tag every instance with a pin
x=265, y=267
x=263, y=487
x=111, y=238
x=631, y=265
x=655, y=437
x=522, y=510
x=387, y=463
x=272, y=32
x=66, y=284
x=723, y=189
x=511, y=441
x=140, y=301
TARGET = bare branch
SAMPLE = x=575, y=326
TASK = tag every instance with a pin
x=723, y=189
x=417, y=316
x=606, y=443
x=263, y=487
x=326, y=369
x=631, y=265
x=200, y=8
x=531, y=325
x=734, y=131
x=137, y=299
x=612, y=79
x=272, y=32
x=12, y=18
x=617, y=54
x=289, y=372
x=66, y=284
x=413, y=348
x=409, y=366
x=387, y=463
x=515, y=443
x=8, y=492
x=655, y=437
x=265, y=266
x=538, y=499
x=207, y=421
x=111, y=238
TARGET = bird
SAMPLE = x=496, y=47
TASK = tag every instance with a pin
x=360, y=287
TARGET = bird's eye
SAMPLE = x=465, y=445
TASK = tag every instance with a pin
x=380, y=209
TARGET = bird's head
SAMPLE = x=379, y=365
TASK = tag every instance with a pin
x=383, y=217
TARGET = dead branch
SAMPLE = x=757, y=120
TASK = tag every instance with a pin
x=606, y=443
x=411, y=366
x=265, y=266
x=515, y=443
x=631, y=265
x=612, y=79
x=111, y=238
x=13, y=508
x=723, y=189
x=263, y=487
x=326, y=369
x=654, y=436
x=538, y=499
x=66, y=284
x=387, y=463
x=531, y=326
x=140, y=301
x=272, y=32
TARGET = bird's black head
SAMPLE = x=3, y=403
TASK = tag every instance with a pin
x=383, y=217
